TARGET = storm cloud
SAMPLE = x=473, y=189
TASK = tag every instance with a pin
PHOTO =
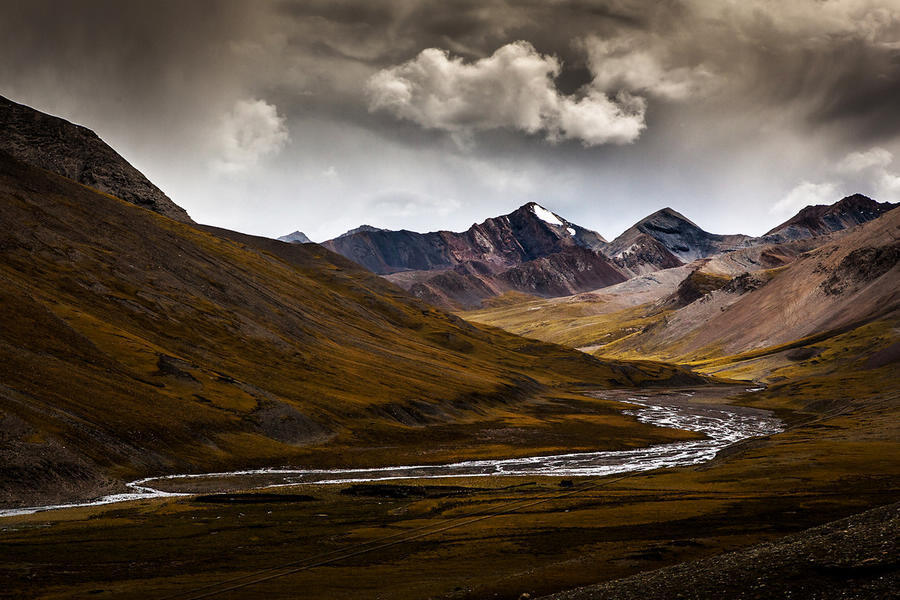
x=327, y=114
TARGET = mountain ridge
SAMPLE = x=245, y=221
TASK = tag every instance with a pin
x=77, y=153
x=535, y=251
x=500, y=242
x=820, y=219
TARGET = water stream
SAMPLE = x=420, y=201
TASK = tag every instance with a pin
x=722, y=425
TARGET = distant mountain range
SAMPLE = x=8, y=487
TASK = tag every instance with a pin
x=298, y=237
x=535, y=251
x=530, y=250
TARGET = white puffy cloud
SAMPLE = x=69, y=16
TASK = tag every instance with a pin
x=805, y=194
x=251, y=131
x=637, y=64
x=513, y=88
x=856, y=162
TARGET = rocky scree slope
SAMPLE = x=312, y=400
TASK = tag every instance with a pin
x=855, y=558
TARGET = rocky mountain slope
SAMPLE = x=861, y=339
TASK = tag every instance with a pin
x=77, y=153
x=133, y=344
x=537, y=252
x=531, y=250
x=850, y=558
x=730, y=303
x=666, y=239
x=360, y=229
x=502, y=242
x=569, y=271
x=851, y=279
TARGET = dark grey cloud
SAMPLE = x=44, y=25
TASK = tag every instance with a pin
x=742, y=103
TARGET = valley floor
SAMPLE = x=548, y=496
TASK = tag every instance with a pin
x=496, y=537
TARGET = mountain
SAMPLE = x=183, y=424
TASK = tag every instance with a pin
x=298, y=237
x=527, y=233
x=665, y=239
x=821, y=219
x=852, y=279
x=530, y=250
x=132, y=344
x=535, y=251
x=741, y=300
x=77, y=153
x=360, y=229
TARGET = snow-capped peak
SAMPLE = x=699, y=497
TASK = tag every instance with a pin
x=545, y=215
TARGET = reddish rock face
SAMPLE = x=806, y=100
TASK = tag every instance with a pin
x=570, y=271
x=501, y=242
x=529, y=250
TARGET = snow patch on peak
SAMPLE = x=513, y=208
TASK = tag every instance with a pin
x=545, y=215
x=570, y=230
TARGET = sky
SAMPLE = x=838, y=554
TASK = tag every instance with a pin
x=319, y=116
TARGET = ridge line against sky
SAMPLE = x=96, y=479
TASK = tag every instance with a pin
x=268, y=117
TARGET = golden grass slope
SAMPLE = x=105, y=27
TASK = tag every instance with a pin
x=584, y=320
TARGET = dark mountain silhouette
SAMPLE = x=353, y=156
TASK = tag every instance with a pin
x=822, y=219
x=77, y=153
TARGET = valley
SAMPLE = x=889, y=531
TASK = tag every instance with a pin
x=348, y=541
x=519, y=410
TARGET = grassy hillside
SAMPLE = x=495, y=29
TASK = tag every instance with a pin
x=132, y=344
